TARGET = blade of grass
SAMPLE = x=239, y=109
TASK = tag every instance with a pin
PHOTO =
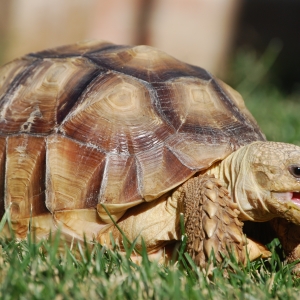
x=121, y=231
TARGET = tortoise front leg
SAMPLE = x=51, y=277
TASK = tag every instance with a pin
x=211, y=220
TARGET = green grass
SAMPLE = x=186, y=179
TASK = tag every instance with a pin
x=40, y=270
x=30, y=270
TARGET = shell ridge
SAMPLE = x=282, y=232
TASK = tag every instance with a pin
x=81, y=99
x=109, y=68
x=92, y=200
x=94, y=62
x=107, y=48
x=14, y=85
x=139, y=176
x=84, y=85
x=80, y=50
x=58, y=55
x=183, y=119
x=104, y=180
x=205, y=75
x=37, y=134
x=48, y=183
x=101, y=64
x=83, y=144
x=180, y=159
x=117, y=72
x=157, y=105
x=230, y=105
x=164, y=94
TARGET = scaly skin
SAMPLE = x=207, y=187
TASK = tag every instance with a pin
x=211, y=220
x=258, y=179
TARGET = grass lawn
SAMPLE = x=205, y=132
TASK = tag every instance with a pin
x=30, y=270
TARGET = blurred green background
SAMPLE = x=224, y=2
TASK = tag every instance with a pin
x=275, y=109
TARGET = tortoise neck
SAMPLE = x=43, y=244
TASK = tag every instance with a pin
x=235, y=172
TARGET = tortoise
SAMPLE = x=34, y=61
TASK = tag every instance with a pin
x=97, y=137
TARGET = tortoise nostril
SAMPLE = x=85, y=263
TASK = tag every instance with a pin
x=295, y=170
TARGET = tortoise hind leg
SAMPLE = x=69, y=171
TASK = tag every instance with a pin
x=211, y=220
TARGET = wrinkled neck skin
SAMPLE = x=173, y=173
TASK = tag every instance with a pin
x=235, y=172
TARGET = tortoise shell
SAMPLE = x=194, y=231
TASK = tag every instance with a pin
x=98, y=123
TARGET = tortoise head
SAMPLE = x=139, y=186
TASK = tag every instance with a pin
x=267, y=181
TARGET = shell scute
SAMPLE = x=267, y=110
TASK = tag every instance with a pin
x=25, y=173
x=122, y=124
x=146, y=63
x=45, y=95
x=198, y=152
x=116, y=114
x=161, y=170
x=10, y=74
x=74, y=175
x=121, y=180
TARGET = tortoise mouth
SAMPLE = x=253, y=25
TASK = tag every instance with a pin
x=293, y=197
x=296, y=198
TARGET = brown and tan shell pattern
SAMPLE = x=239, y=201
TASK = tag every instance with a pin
x=96, y=123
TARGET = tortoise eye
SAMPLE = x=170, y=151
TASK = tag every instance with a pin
x=295, y=170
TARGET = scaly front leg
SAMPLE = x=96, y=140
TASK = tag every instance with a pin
x=211, y=222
